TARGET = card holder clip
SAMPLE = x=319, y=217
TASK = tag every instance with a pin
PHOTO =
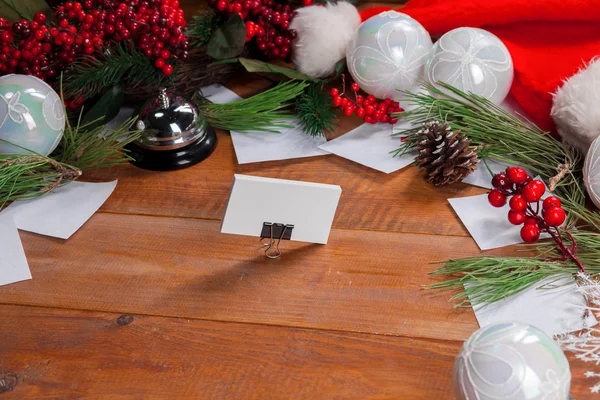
x=275, y=232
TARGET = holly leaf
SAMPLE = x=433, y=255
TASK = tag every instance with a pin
x=261, y=66
x=228, y=40
x=105, y=109
x=16, y=10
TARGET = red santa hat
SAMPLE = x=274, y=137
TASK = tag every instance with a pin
x=549, y=41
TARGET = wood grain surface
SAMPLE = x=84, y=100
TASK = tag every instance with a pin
x=149, y=301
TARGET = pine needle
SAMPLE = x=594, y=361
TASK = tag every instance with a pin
x=262, y=112
x=30, y=175
x=507, y=138
x=315, y=111
x=498, y=133
x=200, y=28
x=121, y=63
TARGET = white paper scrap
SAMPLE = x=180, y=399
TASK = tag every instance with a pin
x=219, y=94
x=63, y=211
x=256, y=146
x=488, y=225
x=13, y=263
x=371, y=145
x=555, y=310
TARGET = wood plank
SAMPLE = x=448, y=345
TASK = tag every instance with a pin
x=88, y=355
x=368, y=282
x=70, y=354
x=371, y=200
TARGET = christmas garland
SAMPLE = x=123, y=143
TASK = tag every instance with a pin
x=497, y=134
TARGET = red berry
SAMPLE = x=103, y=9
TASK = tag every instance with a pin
x=360, y=112
x=369, y=109
x=531, y=221
x=551, y=201
x=516, y=217
x=159, y=63
x=370, y=99
x=555, y=216
x=500, y=181
x=40, y=18
x=334, y=92
x=530, y=233
x=348, y=110
x=496, y=198
x=337, y=101
x=354, y=87
x=517, y=203
x=165, y=54
x=516, y=175
x=533, y=191
x=167, y=69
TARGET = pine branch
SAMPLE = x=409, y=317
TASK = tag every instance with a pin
x=200, y=28
x=30, y=175
x=501, y=135
x=315, y=111
x=122, y=63
x=498, y=133
x=86, y=147
x=262, y=112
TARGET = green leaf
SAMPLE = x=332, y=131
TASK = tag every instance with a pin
x=105, y=109
x=15, y=10
x=228, y=40
x=261, y=66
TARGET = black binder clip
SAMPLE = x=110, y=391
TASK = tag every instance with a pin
x=275, y=233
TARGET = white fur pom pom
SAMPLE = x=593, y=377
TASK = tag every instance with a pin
x=576, y=107
x=323, y=35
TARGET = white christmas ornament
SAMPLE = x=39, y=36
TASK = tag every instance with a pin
x=31, y=115
x=511, y=361
x=388, y=54
x=576, y=107
x=591, y=172
x=474, y=61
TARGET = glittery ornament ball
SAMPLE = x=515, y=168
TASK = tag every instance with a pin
x=388, y=54
x=32, y=115
x=474, y=61
x=511, y=361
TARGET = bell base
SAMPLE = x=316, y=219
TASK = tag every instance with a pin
x=169, y=160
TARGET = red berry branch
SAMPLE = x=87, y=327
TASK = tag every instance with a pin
x=524, y=194
x=267, y=23
x=83, y=27
x=367, y=108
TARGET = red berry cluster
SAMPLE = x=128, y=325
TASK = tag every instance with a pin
x=366, y=107
x=524, y=193
x=266, y=22
x=82, y=27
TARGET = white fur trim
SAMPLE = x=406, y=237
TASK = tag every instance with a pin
x=576, y=107
x=323, y=35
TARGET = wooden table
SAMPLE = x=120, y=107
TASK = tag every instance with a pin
x=150, y=301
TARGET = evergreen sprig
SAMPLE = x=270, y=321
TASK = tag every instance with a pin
x=315, y=111
x=122, y=63
x=30, y=175
x=265, y=111
x=513, y=140
x=200, y=28
x=497, y=133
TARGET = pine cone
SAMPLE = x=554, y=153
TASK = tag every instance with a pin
x=445, y=154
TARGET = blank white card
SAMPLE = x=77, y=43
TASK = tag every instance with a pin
x=310, y=207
